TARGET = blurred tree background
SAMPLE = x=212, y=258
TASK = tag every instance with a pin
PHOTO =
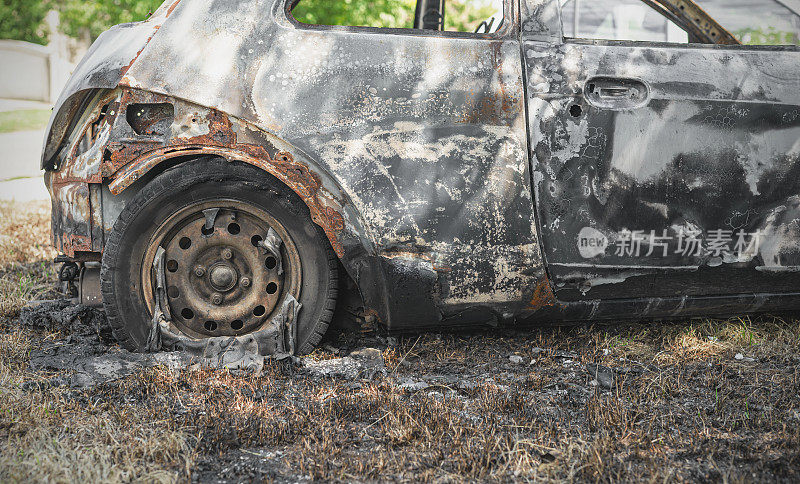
x=375, y=13
x=24, y=20
x=768, y=36
x=460, y=15
x=86, y=19
x=93, y=17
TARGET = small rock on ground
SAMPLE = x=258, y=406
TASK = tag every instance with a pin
x=411, y=385
x=604, y=375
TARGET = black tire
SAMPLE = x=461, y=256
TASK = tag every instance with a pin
x=194, y=181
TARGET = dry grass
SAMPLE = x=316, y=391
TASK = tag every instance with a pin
x=682, y=408
x=25, y=254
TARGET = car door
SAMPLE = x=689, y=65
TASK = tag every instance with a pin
x=663, y=169
x=426, y=131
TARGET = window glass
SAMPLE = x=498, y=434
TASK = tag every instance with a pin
x=758, y=22
x=618, y=20
x=460, y=15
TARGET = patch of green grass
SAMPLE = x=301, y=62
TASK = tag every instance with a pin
x=24, y=120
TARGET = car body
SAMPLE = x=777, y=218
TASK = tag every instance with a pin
x=463, y=178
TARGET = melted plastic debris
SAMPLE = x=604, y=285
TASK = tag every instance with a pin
x=90, y=352
x=366, y=363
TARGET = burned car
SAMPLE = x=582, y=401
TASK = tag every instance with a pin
x=223, y=170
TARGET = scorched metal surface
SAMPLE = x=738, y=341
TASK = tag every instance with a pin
x=463, y=178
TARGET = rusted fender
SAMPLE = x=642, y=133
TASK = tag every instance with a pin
x=127, y=133
x=169, y=128
x=130, y=132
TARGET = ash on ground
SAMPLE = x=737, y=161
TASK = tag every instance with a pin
x=640, y=402
x=89, y=354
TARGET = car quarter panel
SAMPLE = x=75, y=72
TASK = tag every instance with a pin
x=419, y=136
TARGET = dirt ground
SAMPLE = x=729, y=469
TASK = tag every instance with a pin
x=703, y=400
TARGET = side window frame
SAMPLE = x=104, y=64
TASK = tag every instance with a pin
x=509, y=30
x=693, y=43
x=583, y=40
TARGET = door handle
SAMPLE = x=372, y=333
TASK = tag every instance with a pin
x=616, y=93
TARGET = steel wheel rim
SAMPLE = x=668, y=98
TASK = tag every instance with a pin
x=218, y=299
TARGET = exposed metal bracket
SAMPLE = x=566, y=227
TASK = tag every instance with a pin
x=272, y=244
x=89, y=285
x=161, y=309
x=211, y=218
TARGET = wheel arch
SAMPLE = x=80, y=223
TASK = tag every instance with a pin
x=328, y=203
x=139, y=134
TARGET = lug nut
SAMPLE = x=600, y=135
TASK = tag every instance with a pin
x=245, y=282
x=216, y=299
x=199, y=271
x=227, y=254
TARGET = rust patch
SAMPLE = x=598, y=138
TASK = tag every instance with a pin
x=65, y=177
x=543, y=297
x=131, y=96
x=493, y=107
x=72, y=243
x=307, y=185
x=118, y=155
x=125, y=158
x=220, y=133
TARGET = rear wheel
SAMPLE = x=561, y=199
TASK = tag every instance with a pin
x=236, y=243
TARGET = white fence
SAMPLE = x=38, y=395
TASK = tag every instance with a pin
x=31, y=72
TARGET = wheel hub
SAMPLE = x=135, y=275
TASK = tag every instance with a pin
x=223, y=277
x=220, y=278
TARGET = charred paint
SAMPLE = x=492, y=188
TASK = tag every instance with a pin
x=717, y=160
x=413, y=151
x=127, y=155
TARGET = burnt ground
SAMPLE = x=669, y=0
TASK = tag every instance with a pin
x=703, y=400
